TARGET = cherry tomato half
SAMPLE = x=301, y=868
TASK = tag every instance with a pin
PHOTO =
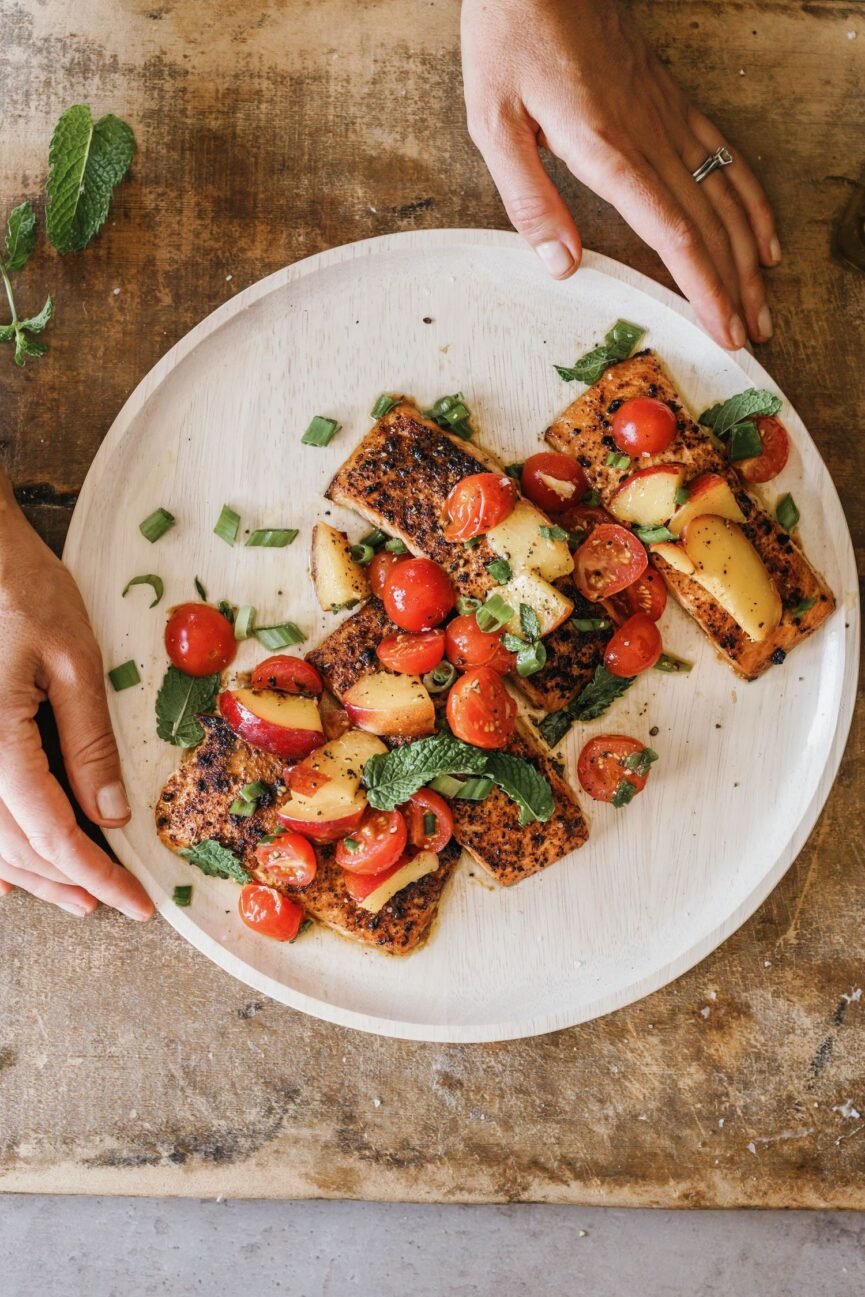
x=380, y=569
x=648, y=595
x=610, y=560
x=584, y=517
x=288, y=675
x=553, y=481
x=289, y=859
x=478, y=503
x=601, y=766
x=643, y=426
x=776, y=448
x=376, y=845
x=269, y=913
x=412, y=655
x=417, y=594
x=480, y=710
x=634, y=647
x=431, y=834
x=199, y=640
x=467, y=646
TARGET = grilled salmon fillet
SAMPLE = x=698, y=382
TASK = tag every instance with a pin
x=572, y=656
x=489, y=830
x=584, y=430
x=193, y=806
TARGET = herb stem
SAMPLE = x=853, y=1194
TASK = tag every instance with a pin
x=7, y=284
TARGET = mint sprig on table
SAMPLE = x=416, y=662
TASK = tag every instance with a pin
x=180, y=700
x=215, y=860
x=619, y=343
x=591, y=702
x=20, y=242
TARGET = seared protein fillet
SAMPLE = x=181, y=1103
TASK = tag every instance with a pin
x=193, y=806
x=490, y=830
x=572, y=656
x=583, y=430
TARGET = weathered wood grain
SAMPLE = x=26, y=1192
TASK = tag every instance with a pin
x=127, y=1062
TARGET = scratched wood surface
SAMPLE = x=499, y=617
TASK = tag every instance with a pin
x=128, y=1063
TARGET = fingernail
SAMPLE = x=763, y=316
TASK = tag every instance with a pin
x=556, y=257
x=738, y=336
x=77, y=910
x=764, y=323
x=774, y=250
x=111, y=802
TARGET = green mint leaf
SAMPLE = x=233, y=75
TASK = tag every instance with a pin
x=745, y=441
x=7, y=332
x=86, y=162
x=179, y=701
x=750, y=404
x=27, y=346
x=619, y=343
x=391, y=778
x=20, y=236
x=529, y=622
x=523, y=784
x=513, y=643
x=215, y=860
x=591, y=702
x=37, y=323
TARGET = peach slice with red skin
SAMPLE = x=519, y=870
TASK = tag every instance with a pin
x=396, y=705
x=648, y=497
x=288, y=725
x=729, y=569
x=707, y=494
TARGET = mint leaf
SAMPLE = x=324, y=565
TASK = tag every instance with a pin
x=749, y=404
x=529, y=622
x=180, y=699
x=37, y=323
x=20, y=236
x=27, y=346
x=86, y=163
x=619, y=342
x=215, y=860
x=591, y=702
x=523, y=784
x=391, y=778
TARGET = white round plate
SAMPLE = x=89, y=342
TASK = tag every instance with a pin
x=744, y=768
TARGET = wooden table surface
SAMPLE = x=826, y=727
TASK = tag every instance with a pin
x=128, y=1063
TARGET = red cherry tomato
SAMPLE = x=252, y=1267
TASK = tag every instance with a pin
x=199, y=640
x=648, y=595
x=359, y=886
x=480, y=710
x=467, y=646
x=611, y=559
x=478, y=503
x=643, y=426
x=412, y=655
x=421, y=833
x=634, y=647
x=288, y=675
x=584, y=517
x=418, y=594
x=601, y=766
x=776, y=448
x=289, y=859
x=380, y=569
x=269, y=913
x=553, y=481
x=305, y=779
x=376, y=845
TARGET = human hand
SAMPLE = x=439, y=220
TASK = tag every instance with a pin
x=577, y=78
x=48, y=651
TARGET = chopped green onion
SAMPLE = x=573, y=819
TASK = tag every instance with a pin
x=615, y=460
x=801, y=608
x=500, y=570
x=531, y=659
x=452, y=413
x=151, y=580
x=745, y=441
x=515, y=471
x=554, y=533
x=271, y=837
x=591, y=500
x=576, y=538
x=652, y=535
x=156, y=524
x=350, y=844
x=472, y=542
x=475, y=788
x=626, y=792
x=124, y=676
x=682, y=495
x=586, y=624
x=376, y=538
x=362, y=553
x=182, y=896
x=787, y=513
x=240, y=806
x=320, y=432
x=244, y=621
x=272, y=537
x=673, y=665
x=447, y=785
x=226, y=609
x=494, y=614
x=227, y=525
x=466, y=604
x=396, y=546
x=640, y=762
x=277, y=637
x=251, y=792
x=440, y=678
x=200, y=590
x=383, y=406
x=341, y=607
x=429, y=824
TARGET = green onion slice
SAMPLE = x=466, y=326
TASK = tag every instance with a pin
x=673, y=665
x=240, y=806
x=500, y=570
x=452, y=413
x=652, y=535
x=440, y=678
x=472, y=542
x=586, y=624
x=531, y=659
x=320, y=432
x=396, y=546
x=156, y=524
x=640, y=762
x=251, y=792
x=200, y=590
x=615, y=460
x=272, y=537
x=626, y=792
x=554, y=532
x=447, y=785
x=271, y=837
x=362, y=553
x=429, y=824
x=227, y=609
x=277, y=637
x=515, y=470
x=244, y=621
x=494, y=614
x=152, y=580
x=124, y=676
x=350, y=844
x=466, y=604
x=591, y=499
x=745, y=441
x=182, y=896
x=475, y=788
x=801, y=608
x=787, y=513
x=376, y=538
x=383, y=406
x=227, y=525
x=682, y=495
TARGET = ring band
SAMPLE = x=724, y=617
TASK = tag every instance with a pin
x=722, y=157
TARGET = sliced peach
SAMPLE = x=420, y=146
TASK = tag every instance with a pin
x=396, y=705
x=673, y=554
x=728, y=568
x=285, y=724
x=648, y=498
x=708, y=493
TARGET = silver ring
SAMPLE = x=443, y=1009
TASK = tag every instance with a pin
x=722, y=157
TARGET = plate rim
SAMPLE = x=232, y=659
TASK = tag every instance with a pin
x=664, y=975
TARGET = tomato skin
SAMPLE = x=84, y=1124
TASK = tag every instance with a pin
x=644, y=426
x=610, y=560
x=428, y=802
x=288, y=675
x=304, y=779
x=198, y=640
x=601, y=768
x=412, y=655
x=381, y=839
x=648, y=595
x=418, y=594
x=467, y=646
x=269, y=913
x=289, y=859
x=634, y=647
x=776, y=450
x=480, y=710
x=554, y=464
x=380, y=569
x=478, y=503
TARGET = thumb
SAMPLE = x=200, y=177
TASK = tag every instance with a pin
x=536, y=208
x=76, y=692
